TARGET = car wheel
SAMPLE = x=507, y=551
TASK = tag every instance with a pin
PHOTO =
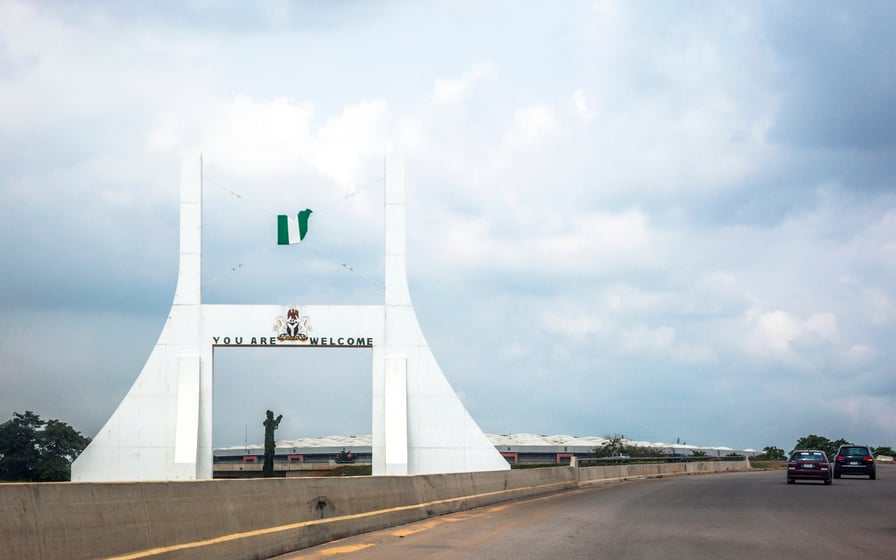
x=872, y=476
x=827, y=481
x=790, y=481
x=836, y=475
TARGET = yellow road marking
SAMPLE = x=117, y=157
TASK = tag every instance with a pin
x=421, y=526
x=349, y=548
x=418, y=528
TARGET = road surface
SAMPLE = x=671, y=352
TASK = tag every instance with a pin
x=726, y=516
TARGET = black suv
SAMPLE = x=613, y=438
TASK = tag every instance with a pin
x=855, y=459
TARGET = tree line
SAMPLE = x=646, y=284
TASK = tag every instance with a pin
x=821, y=443
x=616, y=445
x=36, y=450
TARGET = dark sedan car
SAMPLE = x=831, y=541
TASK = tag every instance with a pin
x=810, y=464
x=855, y=459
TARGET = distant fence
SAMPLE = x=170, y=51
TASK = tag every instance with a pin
x=600, y=461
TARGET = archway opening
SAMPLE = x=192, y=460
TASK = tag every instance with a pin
x=319, y=391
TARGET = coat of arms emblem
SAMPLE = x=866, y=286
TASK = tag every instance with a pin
x=295, y=327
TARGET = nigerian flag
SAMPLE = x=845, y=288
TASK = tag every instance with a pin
x=291, y=230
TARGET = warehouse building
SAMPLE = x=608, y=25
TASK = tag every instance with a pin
x=316, y=456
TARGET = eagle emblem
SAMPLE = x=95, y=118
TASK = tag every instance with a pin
x=295, y=327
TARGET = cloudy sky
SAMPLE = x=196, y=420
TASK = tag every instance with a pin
x=671, y=220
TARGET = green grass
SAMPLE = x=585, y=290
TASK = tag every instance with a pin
x=351, y=470
x=768, y=465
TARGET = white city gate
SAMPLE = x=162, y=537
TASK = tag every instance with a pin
x=162, y=430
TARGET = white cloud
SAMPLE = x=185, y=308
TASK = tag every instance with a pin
x=719, y=282
x=783, y=335
x=878, y=306
x=257, y=137
x=594, y=238
x=345, y=143
x=591, y=242
x=165, y=137
x=860, y=354
x=776, y=330
x=624, y=297
x=253, y=138
x=616, y=174
x=533, y=127
x=451, y=92
x=581, y=106
x=823, y=326
x=663, y=342
x=864, y=414
x=577, y=324
x=660, y=339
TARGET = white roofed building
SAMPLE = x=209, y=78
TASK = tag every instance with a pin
x=308, y=456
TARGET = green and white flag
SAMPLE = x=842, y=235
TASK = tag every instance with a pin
x=291, y=230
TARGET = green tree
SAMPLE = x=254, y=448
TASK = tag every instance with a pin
x=614, y=445
x=822, y=443
x=771, y=453
x=617, y=445
x=270, y=424
x=19, y=452
x=884, y=450
x=32, y=450
x=60, y=445
x=835, y=445
x=640, y=451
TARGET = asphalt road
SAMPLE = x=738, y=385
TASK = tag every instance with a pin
x=750, y=515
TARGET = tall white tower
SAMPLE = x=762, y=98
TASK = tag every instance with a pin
x=162, y=430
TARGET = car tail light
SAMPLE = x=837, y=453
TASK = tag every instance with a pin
x=823, y=466
x=869, y=458
x=839, y=458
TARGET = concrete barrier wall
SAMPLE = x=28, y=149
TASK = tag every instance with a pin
x=260, y=518
x=588, y=475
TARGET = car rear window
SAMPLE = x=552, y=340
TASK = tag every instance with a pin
x=808, y=456
x=854, y=451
